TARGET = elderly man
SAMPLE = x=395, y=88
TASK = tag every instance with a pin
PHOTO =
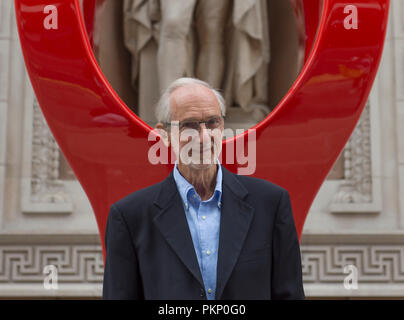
x=203, y=232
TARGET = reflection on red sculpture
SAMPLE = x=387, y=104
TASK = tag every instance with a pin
x=297, y=144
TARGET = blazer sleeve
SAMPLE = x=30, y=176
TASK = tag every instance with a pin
x=121, y=273
x=287, y=280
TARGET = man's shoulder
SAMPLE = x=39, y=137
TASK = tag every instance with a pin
x=262, y=193
x=138, y=198
x=258, y=185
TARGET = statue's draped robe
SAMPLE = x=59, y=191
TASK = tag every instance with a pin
x=247, y=49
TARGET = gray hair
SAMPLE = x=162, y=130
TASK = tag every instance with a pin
x=163, y=108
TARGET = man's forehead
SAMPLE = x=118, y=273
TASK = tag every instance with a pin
x=194, y=93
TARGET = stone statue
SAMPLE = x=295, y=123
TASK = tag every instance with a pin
x=225, y=43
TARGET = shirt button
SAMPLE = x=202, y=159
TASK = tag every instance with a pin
x=209, y=290
x=219, y=204
x=203, y=217
x=208, y=252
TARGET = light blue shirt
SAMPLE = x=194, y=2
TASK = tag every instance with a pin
x=204, y=223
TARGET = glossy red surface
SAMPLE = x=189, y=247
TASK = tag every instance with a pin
x=312, y=14
x=297, y=144
x=89, y=7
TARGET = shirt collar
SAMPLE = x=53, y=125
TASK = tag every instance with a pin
x=184, y=187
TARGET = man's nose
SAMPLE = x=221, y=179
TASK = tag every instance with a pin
x=203, y=131
x=204, y=134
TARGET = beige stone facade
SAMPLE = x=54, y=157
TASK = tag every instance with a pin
x=357, y=217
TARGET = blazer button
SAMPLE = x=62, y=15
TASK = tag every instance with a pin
x=203, y=295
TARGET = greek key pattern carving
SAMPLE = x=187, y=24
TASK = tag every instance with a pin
x=75, y=263
x=320, y=263
x=375, y=263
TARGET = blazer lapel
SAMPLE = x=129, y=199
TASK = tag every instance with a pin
x=173, y=225
x=235, y=220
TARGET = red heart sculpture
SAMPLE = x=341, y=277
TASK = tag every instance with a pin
x=297, y=144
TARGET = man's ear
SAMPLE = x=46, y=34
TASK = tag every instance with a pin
x=165, y=136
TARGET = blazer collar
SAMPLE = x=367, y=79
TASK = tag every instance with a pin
x=235, y=219
x=169, y=187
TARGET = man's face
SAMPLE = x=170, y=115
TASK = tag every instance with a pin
x=196, y=146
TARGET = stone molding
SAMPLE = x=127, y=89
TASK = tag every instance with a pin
x=361, y=189
x=80, y=268
x=42, y=190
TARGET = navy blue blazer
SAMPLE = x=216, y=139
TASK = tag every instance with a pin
x=150, y=253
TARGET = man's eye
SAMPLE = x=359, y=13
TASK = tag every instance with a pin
x=213, y=122
x=190, y=125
